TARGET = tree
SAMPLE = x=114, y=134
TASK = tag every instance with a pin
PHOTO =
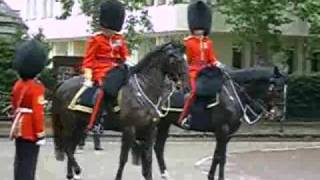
x=137, y=21
x=259, y=21
x=7, y=52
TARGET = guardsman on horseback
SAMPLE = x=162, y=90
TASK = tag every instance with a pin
x=105, y=50
x=199, y=51
x=27, y=102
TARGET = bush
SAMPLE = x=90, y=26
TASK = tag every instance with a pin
x=304, y=96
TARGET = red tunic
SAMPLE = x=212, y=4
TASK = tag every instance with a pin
x=199, y=50
x=103, y=53
x=30, y=95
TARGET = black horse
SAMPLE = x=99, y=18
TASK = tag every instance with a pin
x=254, y=85
x=137, y=99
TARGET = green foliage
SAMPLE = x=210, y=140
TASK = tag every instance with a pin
x=309, y=11
x=261, y=20
x=256, y=19
x=7, y=76
x=303, y=96
x=136, y=23
x=48, y=79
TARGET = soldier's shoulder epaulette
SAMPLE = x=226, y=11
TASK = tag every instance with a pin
x=38, y=82
x=97, y=33
x=188, y=37
x=119, y=33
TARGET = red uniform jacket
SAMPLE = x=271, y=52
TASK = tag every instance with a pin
x=103, y=54
x=199, y=50
x=29, y=95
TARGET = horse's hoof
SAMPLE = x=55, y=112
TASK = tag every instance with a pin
x=77, y=171
x=165, y=175
x=69, y=176
x=77, y=177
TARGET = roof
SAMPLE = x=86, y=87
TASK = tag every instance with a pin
x=9, y=20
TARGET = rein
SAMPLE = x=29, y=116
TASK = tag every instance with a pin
x=246, y=108
x=156, y=107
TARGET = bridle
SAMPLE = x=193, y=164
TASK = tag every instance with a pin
x=279, y=99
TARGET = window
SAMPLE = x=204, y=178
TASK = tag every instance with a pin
x=236, y=57
x=150, y=2
x=34, y=9
x=44, y=8
x=161, y=2
x=315, y=62
x=28, y=10
x=50, y=8
x=290, y=60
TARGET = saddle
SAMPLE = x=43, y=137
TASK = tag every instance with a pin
x=209, y=84
x=86, y=97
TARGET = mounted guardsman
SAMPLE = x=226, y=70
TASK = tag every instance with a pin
x=105, y=51
x=28, y=109
x=199, y=50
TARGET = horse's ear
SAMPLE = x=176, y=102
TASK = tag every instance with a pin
x=276, y=71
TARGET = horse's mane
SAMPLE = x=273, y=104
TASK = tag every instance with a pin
x=252, y=74
x=149, y=58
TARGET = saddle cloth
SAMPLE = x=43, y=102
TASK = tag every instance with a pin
x=86, y=97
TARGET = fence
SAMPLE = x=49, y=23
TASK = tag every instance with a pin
x=4, y=105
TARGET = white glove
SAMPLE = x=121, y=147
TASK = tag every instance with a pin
x=41, y=142
x=219, y=64
x=87, y=74
x=88, y=83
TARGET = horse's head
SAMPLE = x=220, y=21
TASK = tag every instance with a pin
x=267, y=86
x=276, y=95
x=174, y=64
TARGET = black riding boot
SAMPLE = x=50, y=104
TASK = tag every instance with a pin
x=97, y=131
x=96, y=141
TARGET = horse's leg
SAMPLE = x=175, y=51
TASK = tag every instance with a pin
x=72, y=165
x=161, y=138
x=69, y=165
x=219, y=157
x=82, y=142
x=128, y=137
x=223, y=158
x=146, y=156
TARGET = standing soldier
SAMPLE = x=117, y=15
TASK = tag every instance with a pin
x=199, y=50
x=105, y=51
x=28, y=107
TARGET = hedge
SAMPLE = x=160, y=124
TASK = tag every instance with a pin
x=304, y=96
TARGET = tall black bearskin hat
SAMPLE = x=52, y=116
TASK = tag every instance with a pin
x=112, y=14
x=199, y=16
x=31, y=58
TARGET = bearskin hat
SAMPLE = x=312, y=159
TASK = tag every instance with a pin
x=31, y=57
x=199, y=16
x=112, y=14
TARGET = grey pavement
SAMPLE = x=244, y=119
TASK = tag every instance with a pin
x=187, y=160
x=263, y=131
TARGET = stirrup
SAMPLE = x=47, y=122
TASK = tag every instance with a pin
x=185, y=123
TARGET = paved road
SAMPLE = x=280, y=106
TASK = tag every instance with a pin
x=187, y=160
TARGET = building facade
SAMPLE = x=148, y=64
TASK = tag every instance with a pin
x=169, y=18
x=10, y=22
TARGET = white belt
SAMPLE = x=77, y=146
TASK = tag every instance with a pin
x=18, y=114
x=24, y=110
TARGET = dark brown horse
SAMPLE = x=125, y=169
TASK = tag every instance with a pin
x=254, y=85
x=139, y=100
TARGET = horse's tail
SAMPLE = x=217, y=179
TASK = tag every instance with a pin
x=57, y=128
x=136, y=151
